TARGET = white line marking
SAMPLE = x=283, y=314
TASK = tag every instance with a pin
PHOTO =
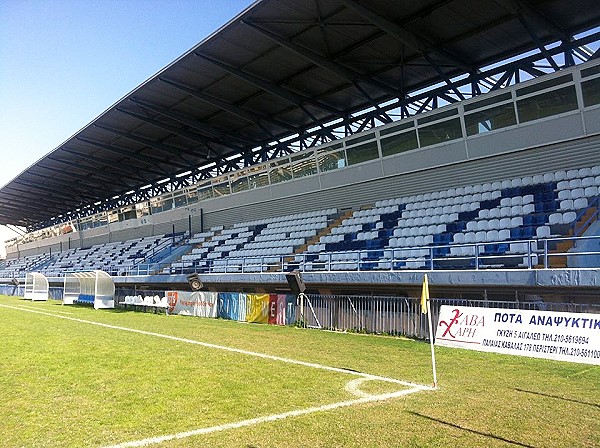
x=29, y=307
x=267, y=418
x=228, y=349
x=352, y=386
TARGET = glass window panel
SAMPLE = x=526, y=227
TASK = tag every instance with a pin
x=221, y=189
x=545, y=85
x=362, y=153
x=590, y=71
x=259, y=179
x=304, y=165
x=205, y=192
x=399, y=143
x=156, y=205
x=438, y=116
x=239, y=183
x=591, y=92
x=360, y=139
x=487, y=102
x=142, y=209
x=547, y=104
x=329, y=147
x=127, y=213
x=192, y=196
x=440, y=132
x=490, y=119
x=397, y=128
x=280, y=171
x=167, y=203
x=332, y=161
x=180, y=200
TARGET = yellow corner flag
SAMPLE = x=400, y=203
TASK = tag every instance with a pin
x=424, y=295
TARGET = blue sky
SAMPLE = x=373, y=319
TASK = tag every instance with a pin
x=63, y=62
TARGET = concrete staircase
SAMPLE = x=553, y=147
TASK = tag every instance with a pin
x=562, y=247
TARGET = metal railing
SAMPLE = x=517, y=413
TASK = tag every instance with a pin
x=388, y=315
x=534, y=253
x=541, y=253
x=401, y=316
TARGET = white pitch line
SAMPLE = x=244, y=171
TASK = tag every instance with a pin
x=265, y=419
x=228, y=349
x=352, y=386
x=29, y=307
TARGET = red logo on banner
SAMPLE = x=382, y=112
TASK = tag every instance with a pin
x=172, y=300
x=448, y=325
x=462, y=326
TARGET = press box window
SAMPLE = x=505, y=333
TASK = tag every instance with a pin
x=399, y=143
x=547, y=104
x=440, y=132
x=332, y=161
x=490, y=119
x=591, y=92
x=362, y=153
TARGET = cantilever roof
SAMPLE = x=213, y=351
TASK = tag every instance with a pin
x=278, y=68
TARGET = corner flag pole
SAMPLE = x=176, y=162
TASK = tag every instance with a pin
x=426, y=309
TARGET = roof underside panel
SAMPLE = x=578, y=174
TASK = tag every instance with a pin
x=279, y=68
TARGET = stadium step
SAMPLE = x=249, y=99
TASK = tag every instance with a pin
x=582, y=224
x=585, y=221
x=315, y=239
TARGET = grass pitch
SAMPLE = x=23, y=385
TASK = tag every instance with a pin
x=69, y=382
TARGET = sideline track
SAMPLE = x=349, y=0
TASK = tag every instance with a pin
x=353, y=386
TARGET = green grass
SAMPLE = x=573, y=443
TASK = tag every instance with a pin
x=71, y=384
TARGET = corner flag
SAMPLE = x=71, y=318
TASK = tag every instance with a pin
x=425, y=309
x=424, y=295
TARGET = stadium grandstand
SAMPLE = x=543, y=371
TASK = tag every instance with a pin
x=360, y=143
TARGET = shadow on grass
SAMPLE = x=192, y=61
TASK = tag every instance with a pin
x=572, y=400
x=473, y=431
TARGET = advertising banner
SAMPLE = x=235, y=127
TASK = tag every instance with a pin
x=274, y=311
x=258, y=308
x=206, y=304
x=181, y=302
x=282, y=309
x=242, y=307
x=573, y=337
x=228, y=305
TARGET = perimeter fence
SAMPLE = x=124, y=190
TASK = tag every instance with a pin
x=387, y=315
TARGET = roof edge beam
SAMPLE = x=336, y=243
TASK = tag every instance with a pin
x=123, y=152
x=252, y=117
x=214, y=134
x=405, y=37
x=270, y=87
x=328, y=64
x=158, y=146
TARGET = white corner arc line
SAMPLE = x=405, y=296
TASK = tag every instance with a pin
x=353, y=386
x=265, y=419
x=365, y=398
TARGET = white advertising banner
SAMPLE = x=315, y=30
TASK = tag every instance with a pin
x=206, y=304
x=573, y=337
x=186, y=303
x=181, y=302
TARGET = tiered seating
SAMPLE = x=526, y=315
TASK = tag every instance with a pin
x=491, y=218
x=274, y=238
x=197, y=254
x=496, y=223
x=249, y=246
x=16, y=268
x=115, y=257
